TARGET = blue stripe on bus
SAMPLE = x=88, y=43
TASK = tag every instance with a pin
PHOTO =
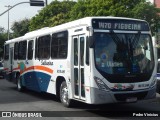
x=37, y=81
x=158, y=74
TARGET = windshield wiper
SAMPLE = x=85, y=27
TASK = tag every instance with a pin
x=114, y=37
x=136, y=39
x=121, y=45
x=132, y=43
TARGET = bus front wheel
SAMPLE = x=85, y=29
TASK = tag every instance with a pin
x=64, y=95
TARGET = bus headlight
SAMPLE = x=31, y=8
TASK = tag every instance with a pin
x=101, y=85
x=153, y=82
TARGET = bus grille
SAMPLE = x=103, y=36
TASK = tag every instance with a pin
x=123, y=97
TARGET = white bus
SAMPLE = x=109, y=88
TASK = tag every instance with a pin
x=95, y=60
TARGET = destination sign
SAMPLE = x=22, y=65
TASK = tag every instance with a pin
x=119, y=24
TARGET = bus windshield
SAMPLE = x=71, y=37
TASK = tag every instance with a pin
x=123, y=53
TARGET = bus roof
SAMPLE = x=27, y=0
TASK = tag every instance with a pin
x=14, y=40
x=48, y=30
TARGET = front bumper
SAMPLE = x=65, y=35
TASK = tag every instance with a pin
x=102, y=97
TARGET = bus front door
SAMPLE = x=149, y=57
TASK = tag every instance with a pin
x=79, y=85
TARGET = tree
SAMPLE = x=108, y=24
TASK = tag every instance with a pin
x=120, y=8
x=2, y=30
x=54, y=14
x=60, y=12
x=148, y=12
x=84, y=8
x=3, y=38
x=20, y=28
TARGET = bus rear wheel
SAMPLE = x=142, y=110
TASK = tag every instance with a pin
x=64, y=95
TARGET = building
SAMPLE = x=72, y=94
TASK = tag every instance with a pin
x=157, y=3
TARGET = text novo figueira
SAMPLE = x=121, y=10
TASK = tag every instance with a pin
x=145, y=114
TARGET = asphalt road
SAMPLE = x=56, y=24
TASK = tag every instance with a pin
x=12, y=100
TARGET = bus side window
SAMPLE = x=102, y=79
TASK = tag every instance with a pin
x=36, y=48
x=22, y=50
x=30, y=50
x=75, y=51
x=6, y=52
x=16, y=51
x=87, y=51
x=59, y=45
x=43, y=47
x=82, y=50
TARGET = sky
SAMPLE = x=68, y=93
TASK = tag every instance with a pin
x=18, y=13
x=150, y=1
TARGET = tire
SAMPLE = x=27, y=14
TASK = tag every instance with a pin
x=64, y=95
x=19, y=84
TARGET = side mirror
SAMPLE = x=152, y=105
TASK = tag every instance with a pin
x=91, y=41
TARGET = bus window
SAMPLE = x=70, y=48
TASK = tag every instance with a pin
x=59, y=45
x=22, y=50
x=75, y=51
x=30, y=50
x=43, y=47
x=6, y=54
x=87, y=51
x=82, y=50
x=16, y=51
x=36, y=48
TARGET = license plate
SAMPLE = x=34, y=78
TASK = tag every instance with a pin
x=133, y=99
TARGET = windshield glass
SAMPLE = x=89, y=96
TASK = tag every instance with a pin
x=123, y=53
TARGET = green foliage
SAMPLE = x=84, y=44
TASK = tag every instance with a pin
x=54, y=14
x=2, y=30
x=148, y=12
x=120, y=8
x=84, y=8
x=3, y=38
x=20, y=28
x=59, y=12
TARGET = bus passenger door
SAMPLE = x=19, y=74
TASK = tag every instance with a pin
x=79, y=87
